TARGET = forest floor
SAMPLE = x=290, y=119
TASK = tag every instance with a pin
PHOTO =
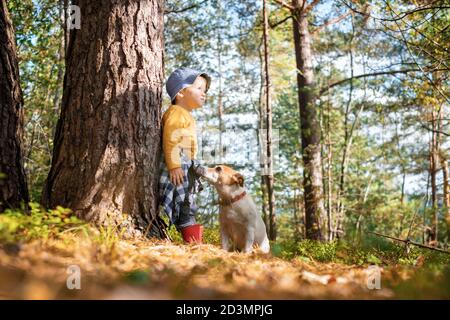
x=145, y=269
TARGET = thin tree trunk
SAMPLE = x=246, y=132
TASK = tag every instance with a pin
x=65, y=5
x=261, y=137
x=58, y=90
x=329, y=158
x=440, y=114
x=61, y=56
x=329, y=175
x=400, y=228
x=358, y=228
x=13, y=183
x=326, y=221
x=434, y=161
x=348, y=135
x=298, y=216
x=446, y=192
x=424, y=216
x=403, y=166
x=107, y=141
x=402, y=197
x=310, y=131
x=220, y=93
x=269, y=158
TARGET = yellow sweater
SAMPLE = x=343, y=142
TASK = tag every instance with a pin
x=179, y=134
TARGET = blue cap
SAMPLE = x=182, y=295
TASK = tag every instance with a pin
x=182, y=78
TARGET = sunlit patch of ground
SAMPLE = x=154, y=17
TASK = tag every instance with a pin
x=163, y=270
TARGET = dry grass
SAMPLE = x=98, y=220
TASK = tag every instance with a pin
x=144, y=269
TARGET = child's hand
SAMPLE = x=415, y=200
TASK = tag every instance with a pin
x=176, y=176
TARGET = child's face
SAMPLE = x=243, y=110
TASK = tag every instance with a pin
x=194, y=96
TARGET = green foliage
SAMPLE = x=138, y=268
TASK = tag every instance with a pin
x=17, y=225
x=372, y=251
x=211, y=235
x=40, y=45
x=384, y=213
x=172, y=231
x=175, y=235
x=323, y=252
x=109, y=235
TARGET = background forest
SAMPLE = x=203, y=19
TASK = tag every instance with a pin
x=379, y=133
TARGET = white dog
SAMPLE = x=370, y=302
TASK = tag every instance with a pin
x=241, y=226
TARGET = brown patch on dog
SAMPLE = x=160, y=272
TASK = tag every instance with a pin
x=239, y=179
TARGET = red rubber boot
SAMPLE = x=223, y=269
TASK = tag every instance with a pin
x=193, y=233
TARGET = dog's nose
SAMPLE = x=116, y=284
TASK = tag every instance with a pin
x=200, y=171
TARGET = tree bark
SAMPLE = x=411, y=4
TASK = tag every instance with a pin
x=108, y=137
x=269, y=157
x=310, y=130
x=13, y=183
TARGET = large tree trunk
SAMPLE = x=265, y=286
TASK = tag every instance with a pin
x=107, y=140
x=310, y=130
x=13, y=184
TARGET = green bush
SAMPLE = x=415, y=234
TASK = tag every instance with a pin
x=174, y=235
x=372, y=251
x=16, y=225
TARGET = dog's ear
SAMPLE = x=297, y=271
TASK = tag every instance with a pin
x=239, y=179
